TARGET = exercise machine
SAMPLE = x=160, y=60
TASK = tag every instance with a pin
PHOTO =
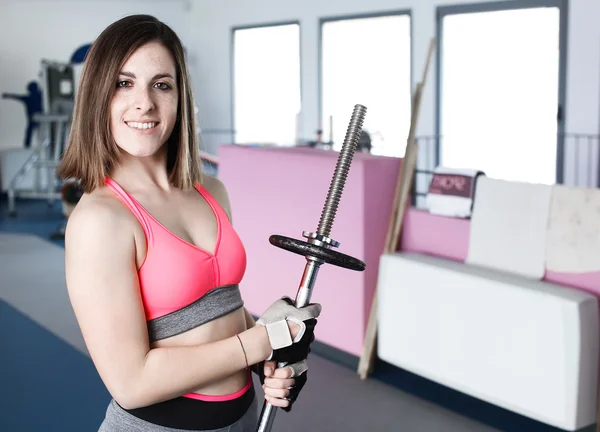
x=43, y=160
x=53, y=126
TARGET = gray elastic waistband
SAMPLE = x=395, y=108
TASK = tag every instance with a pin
x=216, y=303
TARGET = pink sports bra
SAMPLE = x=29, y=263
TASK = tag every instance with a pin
x=183, y=286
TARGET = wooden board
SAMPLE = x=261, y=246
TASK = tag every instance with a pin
x=401, y=199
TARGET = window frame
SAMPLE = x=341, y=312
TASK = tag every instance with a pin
x=494, y=6
x=347, y=17
x=232, y=31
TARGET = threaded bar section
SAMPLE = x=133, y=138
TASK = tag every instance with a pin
x=336, y=187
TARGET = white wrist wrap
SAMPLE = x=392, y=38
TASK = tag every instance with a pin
x=275, y=321
x=279, y=334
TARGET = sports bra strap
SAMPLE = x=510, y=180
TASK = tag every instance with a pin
x=220, y=212
x=132, y=205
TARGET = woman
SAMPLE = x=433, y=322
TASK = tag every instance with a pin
x=152, y=261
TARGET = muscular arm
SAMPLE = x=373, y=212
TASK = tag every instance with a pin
x=104, y=292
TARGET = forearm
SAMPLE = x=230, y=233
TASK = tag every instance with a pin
x=171, y=372
x=250, y=322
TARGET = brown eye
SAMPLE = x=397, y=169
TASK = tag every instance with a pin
x=163, y=86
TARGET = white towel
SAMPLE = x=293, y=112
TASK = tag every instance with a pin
x=451, y=192
x=573, y=242
x=508, y=226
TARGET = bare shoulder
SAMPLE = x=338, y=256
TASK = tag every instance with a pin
x=218, y=190
x=100, y=229
x=97, y=213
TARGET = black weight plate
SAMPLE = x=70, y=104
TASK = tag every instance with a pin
x=329, y=256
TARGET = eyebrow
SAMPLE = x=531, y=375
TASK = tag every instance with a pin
x=157, y=76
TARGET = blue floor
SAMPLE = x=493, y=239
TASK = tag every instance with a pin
x=47, y=385
x=33, y=217
x=61, y=383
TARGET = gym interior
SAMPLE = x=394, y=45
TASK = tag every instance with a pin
x=472, y=199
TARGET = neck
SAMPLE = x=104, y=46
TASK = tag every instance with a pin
x=143, y=172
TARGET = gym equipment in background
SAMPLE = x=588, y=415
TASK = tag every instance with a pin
x=33, y=105
x=59, y=83
x=53, y=123
x=44, y=158
x=316, y=249
x=71, y=192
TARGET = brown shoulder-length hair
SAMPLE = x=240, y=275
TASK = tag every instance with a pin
x=92, y=152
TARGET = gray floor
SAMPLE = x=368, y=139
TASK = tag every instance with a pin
x=335, y=399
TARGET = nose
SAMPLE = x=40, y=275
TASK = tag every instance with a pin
x=143, y=100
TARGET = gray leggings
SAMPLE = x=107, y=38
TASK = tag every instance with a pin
x=119, y=420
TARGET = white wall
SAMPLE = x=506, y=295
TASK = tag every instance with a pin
x=52, y=29
x=211, y=34
x=32, y=30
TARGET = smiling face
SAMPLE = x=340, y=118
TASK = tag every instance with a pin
x=143, y=110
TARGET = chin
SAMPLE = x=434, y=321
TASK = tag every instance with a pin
x=141, y=148
x=142, y=152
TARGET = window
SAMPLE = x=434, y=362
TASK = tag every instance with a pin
x=367, y=61
x=499, y=93
x=266, y=88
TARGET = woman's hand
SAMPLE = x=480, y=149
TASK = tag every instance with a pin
x=282, y=385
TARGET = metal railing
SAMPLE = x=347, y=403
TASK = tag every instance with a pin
x=577, y=155
x=581, y=160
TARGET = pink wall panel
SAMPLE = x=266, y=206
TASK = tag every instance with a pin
x=282, y=191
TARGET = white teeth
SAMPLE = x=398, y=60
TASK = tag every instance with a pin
x=141, y=126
